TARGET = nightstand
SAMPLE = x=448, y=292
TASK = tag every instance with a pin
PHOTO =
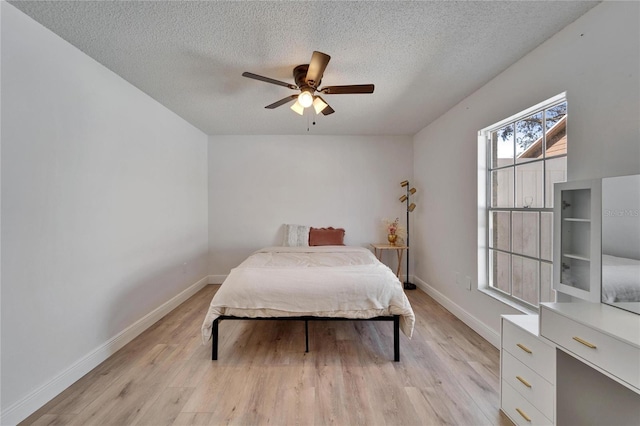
x=379, y=248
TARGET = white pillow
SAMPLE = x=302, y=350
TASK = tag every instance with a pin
x=296, y=236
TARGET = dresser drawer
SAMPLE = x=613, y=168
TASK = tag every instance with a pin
x=612, y=355
x=530, y=350
x=519, y=410
x=526, y=382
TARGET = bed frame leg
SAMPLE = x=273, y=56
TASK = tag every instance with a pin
x=396, y=338
x=306, y=335
x=214, y=340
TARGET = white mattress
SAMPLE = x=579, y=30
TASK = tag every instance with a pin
x=326, y=281
x=620, y=279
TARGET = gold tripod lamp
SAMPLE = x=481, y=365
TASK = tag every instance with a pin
x=406, y=198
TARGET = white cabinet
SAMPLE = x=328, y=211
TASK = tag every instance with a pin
x=577, y=239
x=519, y=410
x=597, y=362
x=527, y=372
x=603, y=336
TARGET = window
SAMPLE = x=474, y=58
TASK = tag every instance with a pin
x=524, y=156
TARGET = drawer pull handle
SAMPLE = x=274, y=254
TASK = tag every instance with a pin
x=584, y=342
x=523, y=381
x=523, y=414
x=524, y=348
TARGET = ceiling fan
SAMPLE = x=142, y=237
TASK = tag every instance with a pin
x=307, y=78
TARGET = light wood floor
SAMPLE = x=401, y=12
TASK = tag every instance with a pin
x=447, y=375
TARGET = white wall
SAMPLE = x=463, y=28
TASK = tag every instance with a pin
x=1, y=19
x=259, y=183
x=596, y=61
x=104, y=198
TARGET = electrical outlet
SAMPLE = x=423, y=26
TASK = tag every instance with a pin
x=467, y=282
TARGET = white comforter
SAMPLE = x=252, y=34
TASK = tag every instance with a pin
x=620, y=278
x=327, y=281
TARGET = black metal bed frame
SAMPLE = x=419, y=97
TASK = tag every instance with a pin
x=306, y=319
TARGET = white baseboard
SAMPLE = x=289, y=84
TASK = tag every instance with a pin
x=217, y=279
x=476, y=325
x=23, y=408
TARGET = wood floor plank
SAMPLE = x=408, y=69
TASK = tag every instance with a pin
x=122, y=403
x=448, y=375
x=425, y=412
x=165, y=410
x=54, y=420
x=193, y=419
x=329, y=408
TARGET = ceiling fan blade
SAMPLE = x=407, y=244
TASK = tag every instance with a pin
x=282, y=102
x=327, y=110
x=268, y=80
x=316, y=69
x=342, y=90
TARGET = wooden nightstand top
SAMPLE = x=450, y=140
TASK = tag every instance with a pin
x=388, y=246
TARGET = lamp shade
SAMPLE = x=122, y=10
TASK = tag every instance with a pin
x=412, y=190
x=411, y=207
x=319, y=105
x=298, y=108
x=403, y=198
x=404, y=183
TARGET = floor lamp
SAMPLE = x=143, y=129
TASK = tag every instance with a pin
x=405, y=199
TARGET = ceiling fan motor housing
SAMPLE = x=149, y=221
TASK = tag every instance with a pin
x=300, y=77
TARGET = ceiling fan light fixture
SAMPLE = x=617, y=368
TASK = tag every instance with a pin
x=298, y=108
x=308, y=78
x=319, y=104
x=305, y=99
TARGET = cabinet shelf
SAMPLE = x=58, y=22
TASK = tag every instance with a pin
x=576, y=256
x=577, y=239
x=577, y=219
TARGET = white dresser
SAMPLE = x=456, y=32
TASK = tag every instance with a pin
x=597, y=362
x=527, y=372
x=576, y=364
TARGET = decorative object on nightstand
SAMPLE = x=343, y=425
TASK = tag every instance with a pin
x=410, y=207
x=394, y=230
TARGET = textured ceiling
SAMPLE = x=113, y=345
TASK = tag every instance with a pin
x=423, y=57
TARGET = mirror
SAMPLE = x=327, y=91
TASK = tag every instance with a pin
x=621, y=242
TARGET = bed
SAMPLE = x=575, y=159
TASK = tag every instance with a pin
x=311, y=283
x=620, y=279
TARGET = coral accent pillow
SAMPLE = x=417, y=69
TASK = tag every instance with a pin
x=326, y=237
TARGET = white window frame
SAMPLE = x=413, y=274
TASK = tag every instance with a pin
x=483, y=207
